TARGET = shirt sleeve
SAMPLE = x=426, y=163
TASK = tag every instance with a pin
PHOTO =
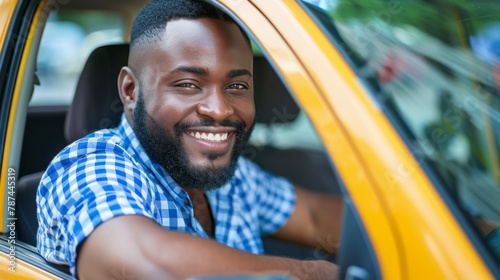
x=274, y=196
x=80, y=191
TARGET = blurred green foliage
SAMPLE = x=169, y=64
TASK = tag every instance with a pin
x=440, y=18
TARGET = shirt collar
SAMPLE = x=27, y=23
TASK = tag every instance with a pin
x=160, y=175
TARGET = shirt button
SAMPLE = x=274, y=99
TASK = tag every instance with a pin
x=186, y=202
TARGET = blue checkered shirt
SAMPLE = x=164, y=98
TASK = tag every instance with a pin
x=108, y=174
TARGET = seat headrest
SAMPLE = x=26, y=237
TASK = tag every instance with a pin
x=97, y=105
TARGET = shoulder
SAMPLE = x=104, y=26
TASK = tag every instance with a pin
x=103, y=141
x=94, y=165
x=100, y=152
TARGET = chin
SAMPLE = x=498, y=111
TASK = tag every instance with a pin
x=208, y=163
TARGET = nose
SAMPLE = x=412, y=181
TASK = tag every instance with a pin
x=216, y=106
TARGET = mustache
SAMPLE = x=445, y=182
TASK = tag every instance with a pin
x=180, y=127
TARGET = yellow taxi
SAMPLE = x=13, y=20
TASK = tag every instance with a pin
x=393, y=104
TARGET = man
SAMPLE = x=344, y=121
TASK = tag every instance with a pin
x=165, y=194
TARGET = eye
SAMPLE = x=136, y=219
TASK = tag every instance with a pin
x=187, y=85
x=238, y=86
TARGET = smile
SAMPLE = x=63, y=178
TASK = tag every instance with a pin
x=212, y=137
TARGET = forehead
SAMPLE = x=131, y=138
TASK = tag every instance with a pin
x=209, y=29
x=202, y=42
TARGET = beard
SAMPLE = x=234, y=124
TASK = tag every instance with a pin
x=169, y=152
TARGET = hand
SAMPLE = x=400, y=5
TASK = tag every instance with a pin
x=316, y=270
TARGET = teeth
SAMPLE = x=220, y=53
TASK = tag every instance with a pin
x=212, y=137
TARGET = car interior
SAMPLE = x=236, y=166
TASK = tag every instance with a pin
x=96, y=105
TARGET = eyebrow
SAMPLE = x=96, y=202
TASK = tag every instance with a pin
x=190, y=69
x=204, y=71
x=239, y=72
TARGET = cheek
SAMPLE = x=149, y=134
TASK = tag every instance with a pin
x=171, y=110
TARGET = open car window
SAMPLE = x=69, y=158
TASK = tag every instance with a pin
x=435, y=70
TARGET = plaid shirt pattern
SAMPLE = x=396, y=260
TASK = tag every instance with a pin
x=108, y=174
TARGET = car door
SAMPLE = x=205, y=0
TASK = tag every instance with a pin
x=398, y=224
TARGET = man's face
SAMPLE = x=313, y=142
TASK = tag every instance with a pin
x=195, y=110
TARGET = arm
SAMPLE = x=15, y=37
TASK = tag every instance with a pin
x=137, y=247
x=315, y=222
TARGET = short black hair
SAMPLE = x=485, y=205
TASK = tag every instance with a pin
x=150, y=23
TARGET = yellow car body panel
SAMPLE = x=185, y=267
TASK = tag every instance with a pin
x=414, y=234
x=7, y=8
x=22, y=270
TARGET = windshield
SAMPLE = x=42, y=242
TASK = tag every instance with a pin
x=436, y=69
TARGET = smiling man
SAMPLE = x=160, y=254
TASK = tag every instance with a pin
x=200, y=97
x=166, y=193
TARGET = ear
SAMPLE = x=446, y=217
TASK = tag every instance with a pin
x=128, y=88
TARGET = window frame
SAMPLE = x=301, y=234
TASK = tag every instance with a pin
x=389, y=109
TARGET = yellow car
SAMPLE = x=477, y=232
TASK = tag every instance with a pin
x=393, y=104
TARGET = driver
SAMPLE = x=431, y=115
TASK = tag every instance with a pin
x=166, y=193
